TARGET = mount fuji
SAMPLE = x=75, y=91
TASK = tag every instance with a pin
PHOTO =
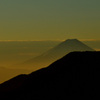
x=67, y=46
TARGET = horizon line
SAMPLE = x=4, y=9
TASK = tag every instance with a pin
x=46, y=40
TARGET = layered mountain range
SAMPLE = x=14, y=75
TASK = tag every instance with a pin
x=44, y=59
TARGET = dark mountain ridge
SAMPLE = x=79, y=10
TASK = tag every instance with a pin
x=75, y=75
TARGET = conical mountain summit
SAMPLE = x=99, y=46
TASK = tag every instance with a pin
x=58, y=52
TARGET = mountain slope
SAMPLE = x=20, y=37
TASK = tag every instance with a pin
x=58, y=52
x=75, y=75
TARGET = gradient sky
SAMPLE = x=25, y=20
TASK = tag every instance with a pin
x=49, y=19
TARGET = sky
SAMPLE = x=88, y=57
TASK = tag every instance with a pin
x=49, y=19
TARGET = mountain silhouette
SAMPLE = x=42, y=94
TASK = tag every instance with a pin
x=57, y=52
x=76, y=75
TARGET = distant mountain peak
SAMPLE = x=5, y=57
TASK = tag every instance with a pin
x=58, y=52
x=72, y=40
x=74, y=45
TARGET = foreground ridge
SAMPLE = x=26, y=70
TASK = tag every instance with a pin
x=75, y=75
